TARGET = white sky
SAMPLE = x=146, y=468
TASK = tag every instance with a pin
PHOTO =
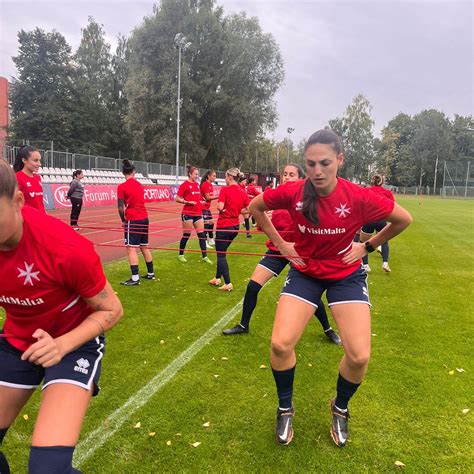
x=404, y=56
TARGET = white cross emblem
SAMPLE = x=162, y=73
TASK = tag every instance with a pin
x=28, y=274
x=287, y=281
x=343, y=210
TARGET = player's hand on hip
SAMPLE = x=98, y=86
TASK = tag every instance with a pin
x=356, y=252
x=287, y=249
x=46, y=351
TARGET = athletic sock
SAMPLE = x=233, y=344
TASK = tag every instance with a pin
x=322, y=316
x=51, y=460
x=247, y=224
x=345, y=391
x=209, y=228
x=149, y=268
x=250, y=301
x=202, y=243
x=4, y=467
x=284, y=384
x=183, y=242
x=134, y=270
x=365, y=260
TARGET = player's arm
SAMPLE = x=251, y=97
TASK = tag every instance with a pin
x=398, y=220
x=121, y=209
x=258, y=209
x=48, y=351
x=209, y=197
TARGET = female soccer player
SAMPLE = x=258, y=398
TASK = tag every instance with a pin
x=273, y=264
x=189, y=194
x=75, y=194
x=56, y=314
x=27, y=163
x=232, y=202
x=134, y=216
x=326, y=212
x=368, y=229
x=207, y=194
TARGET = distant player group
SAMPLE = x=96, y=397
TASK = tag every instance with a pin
x=58, y=311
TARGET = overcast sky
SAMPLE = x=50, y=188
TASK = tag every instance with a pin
x=404, y=56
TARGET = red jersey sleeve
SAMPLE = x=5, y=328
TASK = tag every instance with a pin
x=280, y=197
x=83, y=272
x=120, y=193
x=182, y=189
x=375, y=207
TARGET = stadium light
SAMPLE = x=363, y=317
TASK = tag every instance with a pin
x=182, y=44
x=289, y=131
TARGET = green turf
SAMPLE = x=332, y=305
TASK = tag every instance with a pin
x=408, y=409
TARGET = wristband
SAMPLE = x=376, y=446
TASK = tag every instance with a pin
x=368, y=247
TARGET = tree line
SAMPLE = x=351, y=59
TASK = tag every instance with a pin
x=124, y=102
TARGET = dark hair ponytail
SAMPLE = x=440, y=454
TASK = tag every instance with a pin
x=127, y=167
x=76, y=173
x=206, y=175
x=23, y=153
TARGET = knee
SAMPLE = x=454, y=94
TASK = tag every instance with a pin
x=281, y=348
x=359, y=359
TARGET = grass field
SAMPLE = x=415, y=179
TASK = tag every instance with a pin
x=409, y=408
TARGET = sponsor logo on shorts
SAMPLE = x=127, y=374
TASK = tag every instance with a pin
x=365, y=291
x=82, y=366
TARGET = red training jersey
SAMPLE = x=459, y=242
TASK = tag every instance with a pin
x=32, y=189
x=189, y=191
x=252, y=191
x=281, y=220
x=206, y=188
x=44, y=279
x=341, y=214
x=381, y=191
x=133, y=194
x=235, y=199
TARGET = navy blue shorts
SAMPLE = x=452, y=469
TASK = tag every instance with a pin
x=187, y=217
x=351, y=289
x=207, y=215
x=136, y=233
x=81, y=367
x=273, y=263
x=373, y=226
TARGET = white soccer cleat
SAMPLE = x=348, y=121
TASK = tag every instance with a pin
x=366, y=268
x=379, y=249
x=385, y=267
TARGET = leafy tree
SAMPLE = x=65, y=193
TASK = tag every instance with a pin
x=229, y=76
x=41, y=94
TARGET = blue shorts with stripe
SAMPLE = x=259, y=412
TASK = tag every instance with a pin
x=351, y=289
x=81, y=367
x=273, y=263
x=136, y=232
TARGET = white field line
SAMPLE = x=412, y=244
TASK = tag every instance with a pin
x=97, y=438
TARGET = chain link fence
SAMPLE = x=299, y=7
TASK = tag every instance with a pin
x=68, y=160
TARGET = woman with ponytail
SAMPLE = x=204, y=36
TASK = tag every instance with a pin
x=273, y=263
x=189, y=194
x=134, y=216
x=326, y=212
x=75, y=194
x=207, y=194
x=27, y=163
x=232, y=202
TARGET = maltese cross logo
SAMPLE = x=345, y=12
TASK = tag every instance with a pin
x=343, y=210
x=28, y=274
x=287, y=281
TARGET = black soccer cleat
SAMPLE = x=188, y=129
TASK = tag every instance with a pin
x=148, y=277
x=130, y=282
x=284, y=426
x=340, y=425
x=332, y=336
x=249, y=236
x=239, y=329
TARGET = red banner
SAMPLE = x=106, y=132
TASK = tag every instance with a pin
x=98, y=195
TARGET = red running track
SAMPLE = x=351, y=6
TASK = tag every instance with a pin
x=102, y=226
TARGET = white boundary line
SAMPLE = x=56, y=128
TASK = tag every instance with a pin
x=97, y=438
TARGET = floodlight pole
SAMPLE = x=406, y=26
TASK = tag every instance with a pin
x=289, y=130
x=182, y=45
